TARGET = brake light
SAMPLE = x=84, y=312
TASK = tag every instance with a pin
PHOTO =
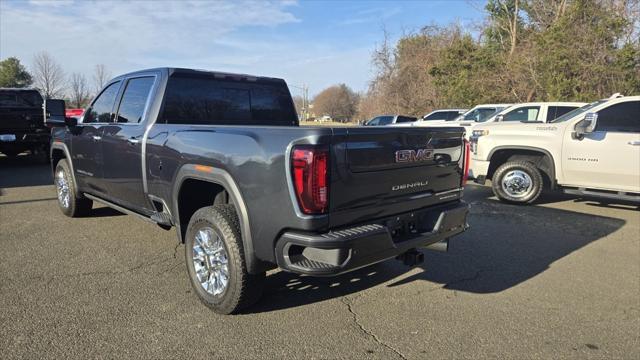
x=466, y=161
x=309, y=173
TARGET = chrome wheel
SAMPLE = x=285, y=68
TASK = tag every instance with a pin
x=62, y=186
x=517, y=183
x=210, y=261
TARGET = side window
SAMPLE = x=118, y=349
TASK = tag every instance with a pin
x=452, y=115
x=440, y=115
x=405, y=119
x=134, y=99
x=622, y=117
x=563, y=110
x=529, y=113
x=373, y=122
x=101, y=109
x=551, y=113
x=385, y=120
x=555, y=112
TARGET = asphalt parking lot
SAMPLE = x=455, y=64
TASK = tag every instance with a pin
x=556, y=280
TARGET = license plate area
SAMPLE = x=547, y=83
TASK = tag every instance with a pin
x=411, y=225
x=7, y=137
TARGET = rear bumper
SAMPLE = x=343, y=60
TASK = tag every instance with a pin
x=347, y=249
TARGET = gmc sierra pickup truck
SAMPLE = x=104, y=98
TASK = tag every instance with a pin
x=21, y=122
x=590, y=151
x=222, y=158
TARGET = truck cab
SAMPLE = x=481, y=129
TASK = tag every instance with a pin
x=593, y=150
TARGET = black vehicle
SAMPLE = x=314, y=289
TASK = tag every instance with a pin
x=22, y=125
x=221, y=158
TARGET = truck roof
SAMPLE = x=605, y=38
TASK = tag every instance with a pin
x=551, y=103
x=217, y=74
x=18, y=89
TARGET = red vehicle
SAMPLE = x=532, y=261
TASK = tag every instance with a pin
x=74, y=113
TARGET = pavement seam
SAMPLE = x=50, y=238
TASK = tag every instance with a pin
x=349, y=304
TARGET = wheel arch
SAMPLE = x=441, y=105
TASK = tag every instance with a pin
x=57, y=152
x=541, y=158
x=217, y=182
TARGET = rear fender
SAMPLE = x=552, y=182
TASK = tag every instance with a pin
x=224, y=179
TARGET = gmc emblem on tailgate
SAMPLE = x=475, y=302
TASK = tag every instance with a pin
x=404, y=156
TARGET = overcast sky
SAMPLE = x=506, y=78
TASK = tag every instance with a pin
x=313, y=42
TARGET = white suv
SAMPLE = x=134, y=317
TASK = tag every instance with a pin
x=593, y=150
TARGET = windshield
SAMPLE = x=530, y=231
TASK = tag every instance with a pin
x=578, y=111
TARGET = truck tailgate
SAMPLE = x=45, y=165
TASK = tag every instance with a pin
x=384, y=171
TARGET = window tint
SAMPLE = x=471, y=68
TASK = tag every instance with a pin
x=373, y=122
x=622, y=117
x=438, y=115
x=101, y=109
x=405, y=119
x=554, y=112
x=21, y=99
x=481, y=114
x=134, y=99
x=385, y=120
x=529, y=113
x=205, y=100
x=452, y=115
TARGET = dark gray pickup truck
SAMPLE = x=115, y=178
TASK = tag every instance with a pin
x=222, y=158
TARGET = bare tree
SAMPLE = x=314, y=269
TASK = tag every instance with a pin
x=79, y=90
x=338, y=101
x=48, y=76
x=100, y=76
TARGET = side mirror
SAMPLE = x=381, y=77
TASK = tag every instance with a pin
x=54, y=112
x=500, y=118
x=585, y=126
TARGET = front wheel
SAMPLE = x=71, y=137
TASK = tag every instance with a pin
x=517, y=182
x=215, y=261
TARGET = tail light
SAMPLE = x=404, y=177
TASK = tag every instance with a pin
x=309, y=172
x=466, y=161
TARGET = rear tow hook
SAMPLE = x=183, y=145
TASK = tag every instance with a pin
x=411, y=257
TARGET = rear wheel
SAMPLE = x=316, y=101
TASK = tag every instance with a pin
x=70, y=203
x=215, y=261
x=517, y=182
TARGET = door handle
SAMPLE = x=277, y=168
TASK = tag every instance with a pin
x=634, y=143
x=96, y=137
x=133, y=140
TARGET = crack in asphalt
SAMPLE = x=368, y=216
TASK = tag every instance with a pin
x=175, y=250
x=375, y=337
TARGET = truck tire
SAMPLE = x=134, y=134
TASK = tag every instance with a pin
x=70, y=203
x=215, y=261
x=517, y=182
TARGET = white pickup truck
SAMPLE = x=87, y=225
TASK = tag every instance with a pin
x=590, y=151
x=540, y=112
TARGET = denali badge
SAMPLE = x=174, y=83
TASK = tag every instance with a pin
x=403, y=156
x=409, y=185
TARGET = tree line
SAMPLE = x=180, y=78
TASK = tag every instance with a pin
x=524, y=50
x=50, y=79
